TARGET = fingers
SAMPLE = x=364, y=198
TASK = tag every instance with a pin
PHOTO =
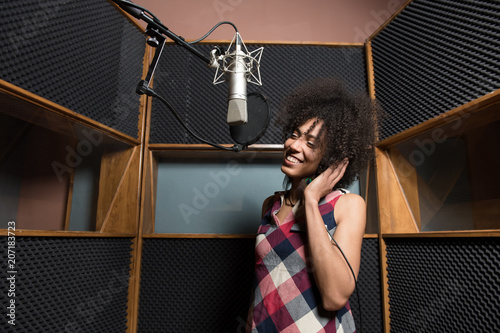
x=324, y=183
x=336, y=172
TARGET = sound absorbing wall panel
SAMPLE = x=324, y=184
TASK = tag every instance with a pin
x=195, y=285
x=444, y=284
x=433, y=57
x=83, y=55
x=367, y=310
x=64, y=284
x=186, y=82
x=204, y=285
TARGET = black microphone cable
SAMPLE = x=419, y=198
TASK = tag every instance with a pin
x=150, y=92
x=355, y=283
x=157, y=20
x=212, y=30
x=144, y=88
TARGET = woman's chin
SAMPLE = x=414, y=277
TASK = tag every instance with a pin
x=291, y=173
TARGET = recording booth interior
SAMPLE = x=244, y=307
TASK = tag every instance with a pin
x=115, y=218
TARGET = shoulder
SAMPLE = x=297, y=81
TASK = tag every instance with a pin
x=351, y=206
x=268, y=203
x=348, y=198
x=351, y=200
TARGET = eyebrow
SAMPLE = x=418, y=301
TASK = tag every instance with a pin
x=306, y=133
x=310, y=135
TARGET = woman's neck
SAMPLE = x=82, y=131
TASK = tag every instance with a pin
x=295, y=192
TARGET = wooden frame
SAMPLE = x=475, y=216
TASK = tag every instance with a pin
x=45, y=114
x=38, y=110
x=398, y=197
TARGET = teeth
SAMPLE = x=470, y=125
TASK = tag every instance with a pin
x=292, y=159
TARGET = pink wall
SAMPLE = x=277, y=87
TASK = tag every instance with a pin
x=276, y=20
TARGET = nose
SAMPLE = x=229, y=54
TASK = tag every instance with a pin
x=296, y=144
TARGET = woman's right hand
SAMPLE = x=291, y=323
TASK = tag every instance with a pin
x=326, y=181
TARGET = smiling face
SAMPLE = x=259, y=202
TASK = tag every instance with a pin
x=303, y=151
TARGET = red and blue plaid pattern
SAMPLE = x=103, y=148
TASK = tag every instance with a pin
x=286, y=297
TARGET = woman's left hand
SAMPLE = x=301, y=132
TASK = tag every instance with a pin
x=326, y=181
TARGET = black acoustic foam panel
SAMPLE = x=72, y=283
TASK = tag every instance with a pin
x=66, y=284
x=367, y=311
x=205, y=285
x=444, y=284
x=433, y=57
x=186, y=82
x=83, y=55
x=195, y=285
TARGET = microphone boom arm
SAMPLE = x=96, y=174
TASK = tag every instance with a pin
x=158, y=34
x=155, y=27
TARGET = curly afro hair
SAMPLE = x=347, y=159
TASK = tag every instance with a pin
x=349, y=124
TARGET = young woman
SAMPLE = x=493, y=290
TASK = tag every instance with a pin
x=302, y=280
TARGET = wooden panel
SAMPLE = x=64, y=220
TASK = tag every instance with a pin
x=369, y=70
x=446, y=118
x=143, y=125
x=385, y=287
x=160, y=147
x=395, y=214
x=447, y=234
x=27, y=106
x=198, y=236
x=69, y=200
x=63, y=233
x=149, y=193
x=154, y=188
x=408, y=179
x=149, y=179
x=371, y=196
x=134, y=285
x=123, y=213
x=113, y=167
x=291, y=43
x=435, y=192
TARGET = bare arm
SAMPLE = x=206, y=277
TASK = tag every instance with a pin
x=331, y=272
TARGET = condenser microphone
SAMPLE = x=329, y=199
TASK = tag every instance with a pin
x=237, y=86
x=237, y=66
